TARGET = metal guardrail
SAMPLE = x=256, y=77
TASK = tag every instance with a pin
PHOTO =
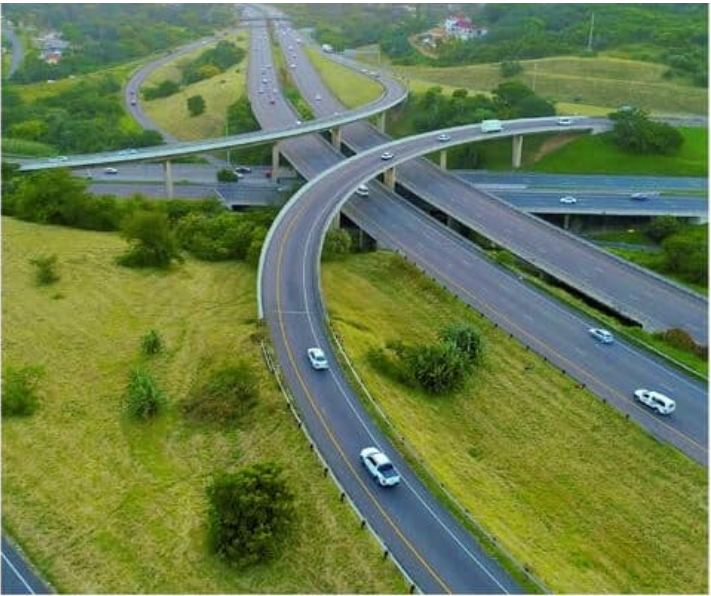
x=293, y=408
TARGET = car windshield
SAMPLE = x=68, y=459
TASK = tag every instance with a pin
x=387, y=470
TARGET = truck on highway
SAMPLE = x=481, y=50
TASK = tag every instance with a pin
x=491, y=126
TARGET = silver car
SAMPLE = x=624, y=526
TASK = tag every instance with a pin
x=317, y=358
x=379, y=466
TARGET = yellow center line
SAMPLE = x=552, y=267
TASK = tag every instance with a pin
x=324, y=423
x=534, y=339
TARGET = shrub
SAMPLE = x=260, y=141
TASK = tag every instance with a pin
x=438, y=368
x=19, y=390
x=250, y=512
x=151, y=343
x=636, y=133
x=465, y=338
x=509, y=68
x=227, y=394
x=45, y=270
x=662, y=227
x=144, y=399
x=679, y=338
x=196, y=105
x=152, y=241
x=163, y=89
x=336, y=245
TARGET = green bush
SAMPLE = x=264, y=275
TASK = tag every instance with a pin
x=163, y=89
x=250, y=512
x=144, y=399
x=151, y=343
x=152, y=241
x=438, y=368
x=196, y=105
x=336, y=245
x=45, y=270
x=662, y=227
x=635, y=132
x=19, y=390
x=226, y=395
x=465, y=338
x=226, y=175
x=679, y=338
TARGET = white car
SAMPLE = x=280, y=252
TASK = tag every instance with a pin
x=639, y=196
x=386, y=156
x=568, y=200
x=602, y=335
x=110, y=171
x=565, y=121
x=317, y=358
x=656, y=401
x=379, y=466
x=444, y=138
x=362, y=191
x=318, y=97
x=293, y=65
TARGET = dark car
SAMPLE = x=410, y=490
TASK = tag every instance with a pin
x=243, y=170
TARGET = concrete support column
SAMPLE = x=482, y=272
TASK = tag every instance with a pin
x=335, y=222
x=566, y=221
x=336, y=137
x=381, y=122
x=443, y=159
x=517, y=151
x=168, y=176
x=275, y=163
x=389, y=178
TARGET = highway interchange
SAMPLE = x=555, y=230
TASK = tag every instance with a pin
x=437, y=553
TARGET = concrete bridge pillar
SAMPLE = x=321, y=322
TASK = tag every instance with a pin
x=517, y=151
x=443, y=159
x=566, y=221
x=381, y=122
x=275, y=163
x=335, y=222
x=389, y=178
x=336, y=137
x=168, y=176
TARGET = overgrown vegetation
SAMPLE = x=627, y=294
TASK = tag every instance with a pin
x=224, y=395
x=45, y=270
x=84, y=117
x=151, y=343
x=103, y=34
x=144, y=400
x=251, y=511
x=240, y=118
x=20, y=390
x=158, y=230
x=336, y=245
x=636, y=133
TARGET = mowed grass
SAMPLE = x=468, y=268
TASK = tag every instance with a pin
x=171, y=113
x=587, y=499
x=106, y=505
x=600, y=81
x=596, y=154
x=352, y=89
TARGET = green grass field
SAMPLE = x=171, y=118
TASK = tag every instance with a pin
x=597, y=155
x=106, y=505
x=12, y=146
x=578, y=82
x=171, y=113
x=587, y=499
x=351, y=88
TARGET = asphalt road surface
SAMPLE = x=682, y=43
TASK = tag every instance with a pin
x=18, y=51
x=649, y=299
x=17, y=576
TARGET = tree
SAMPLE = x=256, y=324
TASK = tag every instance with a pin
x=662, y=227
x=509, y=94
x=226, y=175
x=510, y=68
x=250, y=512
x=534, y=107
x=465, y=338
x=152, y=241
x=196, y=105
x=636, y=133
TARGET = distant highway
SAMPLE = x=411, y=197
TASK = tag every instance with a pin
x=18, y=51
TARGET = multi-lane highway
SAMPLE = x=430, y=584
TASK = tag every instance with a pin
x=292, y=305
x=651, y=300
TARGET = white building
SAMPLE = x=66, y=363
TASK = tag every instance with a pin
x=462, y=28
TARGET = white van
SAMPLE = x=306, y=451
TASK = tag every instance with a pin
x=491, y=126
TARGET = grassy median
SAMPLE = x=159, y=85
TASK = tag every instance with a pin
x=352, y=89
x=588, y=500
x=106, y=505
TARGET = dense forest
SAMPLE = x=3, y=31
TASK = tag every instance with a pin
x=673, y=34
x=106, y=34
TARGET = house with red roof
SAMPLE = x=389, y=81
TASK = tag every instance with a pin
x=462, y=28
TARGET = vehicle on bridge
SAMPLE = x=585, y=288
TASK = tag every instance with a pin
x=491, y=126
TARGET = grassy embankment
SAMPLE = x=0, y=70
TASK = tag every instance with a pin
x=171, y=113
x=352, y=89
x=597, y=155
x=590, y=86
x=106, y=505
x=587, y=499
